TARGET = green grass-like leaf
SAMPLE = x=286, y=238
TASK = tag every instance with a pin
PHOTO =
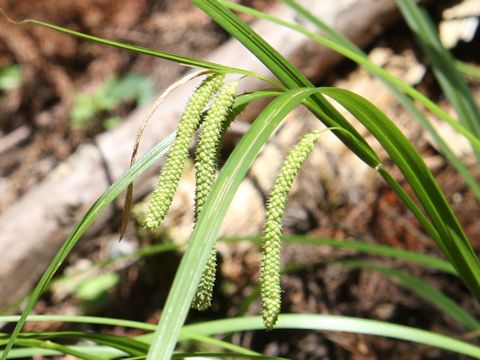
x=448, y=232
x=128, y=345
x=468, y=70
x=112, y=351
x=364, y=247
x=339, y=323
x=189, y=61
x=97, y=208
x=423, y=289
x=82, y=351
x=443, y=65
x=50, y=347
x=228, y=356
x=286, y=321
x=418, y=286
x=399, y=89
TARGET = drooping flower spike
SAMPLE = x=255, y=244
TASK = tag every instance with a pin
x=136, y=145
x=272, y=236
x=206, y=159
x=173, y=168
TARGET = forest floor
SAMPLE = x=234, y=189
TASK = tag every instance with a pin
x=37, y=133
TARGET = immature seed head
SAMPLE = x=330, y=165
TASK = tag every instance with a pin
x=203, y=297
x=272, y=236
x=173, y=167
x=206, y=158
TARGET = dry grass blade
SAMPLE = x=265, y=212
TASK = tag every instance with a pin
x=129, y=195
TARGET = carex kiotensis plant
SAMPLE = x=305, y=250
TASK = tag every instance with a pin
x=434, y=213
x=213, y=127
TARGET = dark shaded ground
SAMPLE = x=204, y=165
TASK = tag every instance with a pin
x=55, y=67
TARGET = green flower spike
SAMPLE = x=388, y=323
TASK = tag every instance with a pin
x=213, y=128
x=272, y=237
x=173, y=168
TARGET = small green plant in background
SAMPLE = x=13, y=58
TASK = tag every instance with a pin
x=131, y=87
x=428, y=203
x=93, y=292
x=10, y=77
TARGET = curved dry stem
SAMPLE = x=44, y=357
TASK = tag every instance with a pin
x=129, y=195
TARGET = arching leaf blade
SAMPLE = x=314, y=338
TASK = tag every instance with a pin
x=451, y=239
x=342, y=324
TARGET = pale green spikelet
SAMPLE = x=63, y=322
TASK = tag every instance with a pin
x=272, y=236
x=203, y=297
x=173, y=168
x=206, y=158
x=209, y=142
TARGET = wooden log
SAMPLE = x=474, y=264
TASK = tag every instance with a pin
x=32, y=229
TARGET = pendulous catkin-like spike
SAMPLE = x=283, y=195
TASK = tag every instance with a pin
x=173, y=168
x=206, y=160
x=272, y=236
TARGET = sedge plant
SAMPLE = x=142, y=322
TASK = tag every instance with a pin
x=211, y=108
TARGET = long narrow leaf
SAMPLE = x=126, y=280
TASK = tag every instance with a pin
x=189, y=61
x=219, y=343
x=360, y=59
x=434, y=296
x=452, y=239
x=31, y=350
x=82, y=320
x=98, y=350
x=445, y=228
x=339, y=323
x=362, y=246
x=97, y=208
x=468, y=70
x=215, y=356
x=341, y=41
x=418, y=286
x=453, y=84
x=52, y=347
x=130, y=346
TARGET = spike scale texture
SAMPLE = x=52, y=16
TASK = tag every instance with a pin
x=173, y=168
x=206, y=159
x=272, y=236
